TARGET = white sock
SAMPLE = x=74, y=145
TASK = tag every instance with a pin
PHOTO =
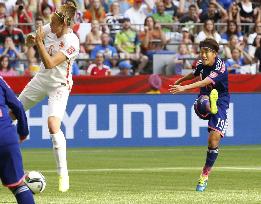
x=59, y=149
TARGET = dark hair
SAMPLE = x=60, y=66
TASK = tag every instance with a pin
x=1, y=59
x=145, y=21
x=192, y=6
x=209, y=43
x=229, y=33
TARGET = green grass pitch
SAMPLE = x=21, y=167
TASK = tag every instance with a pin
x=148, y=175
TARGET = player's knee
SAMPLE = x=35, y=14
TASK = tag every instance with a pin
x=54, y=125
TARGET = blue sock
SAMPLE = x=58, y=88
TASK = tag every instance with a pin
x=212, y=154
x=23, y=195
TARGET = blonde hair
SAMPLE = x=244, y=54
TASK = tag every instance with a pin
x=66, y=12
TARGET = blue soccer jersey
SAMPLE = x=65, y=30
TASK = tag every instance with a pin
x=218, y=74
x=8, y=100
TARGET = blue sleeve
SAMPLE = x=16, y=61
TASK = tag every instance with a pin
x=219, y=72
x=198, y=68
x=114, y=51
x=94, y=53
x=16, y=106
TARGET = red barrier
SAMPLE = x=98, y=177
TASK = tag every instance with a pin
x=136, y=84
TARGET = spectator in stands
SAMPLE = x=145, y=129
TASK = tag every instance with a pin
x=113, y=20
x=153, y=38
x=42, y=4
x=252, y=36
x=215, y=12
x=183, y=6
x=137, y=13
x=98, y=68
x=109, y=52
x=9, y=49
x=188, y=39
x=254, y=46
x=258, y=56
x=94, y=37
x=162, y=17
x=128, y=45
x=155, y=84
x=22, y=14
x=191, y=16
x=5, y=67
x=180, y=61
x=46, y=13
x=171, y=9
x=248, y=14
x=232, y=29
x=237, y=61
x=208, y=31
x=125, y=68
x=233, y=14
x=2, y=15
x=232, y=43
x=11, y=31
x=95, y=12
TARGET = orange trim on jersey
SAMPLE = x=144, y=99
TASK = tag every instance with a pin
x=222, y=135
x=67, y=73
x=15, y=184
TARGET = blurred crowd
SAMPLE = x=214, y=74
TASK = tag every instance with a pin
x=122, y=37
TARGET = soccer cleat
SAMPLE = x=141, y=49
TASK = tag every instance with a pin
x=213, y=97
x=63, y=183
x=202, y=183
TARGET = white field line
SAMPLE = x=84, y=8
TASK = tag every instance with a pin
x=137, y=150
x=159, y=169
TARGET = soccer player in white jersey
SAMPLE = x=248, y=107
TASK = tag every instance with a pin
x=58, y=47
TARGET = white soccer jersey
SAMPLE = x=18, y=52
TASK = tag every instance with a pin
x=69, y=45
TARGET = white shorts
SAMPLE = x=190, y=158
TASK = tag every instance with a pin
x=35, y=91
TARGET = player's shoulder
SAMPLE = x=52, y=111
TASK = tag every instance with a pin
x=72, y=38
x=197, y=64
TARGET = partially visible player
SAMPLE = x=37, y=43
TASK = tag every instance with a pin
x=58, y=47
x=213, y=83
x=11, y=164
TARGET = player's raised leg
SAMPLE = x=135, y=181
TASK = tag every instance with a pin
x=212, y=154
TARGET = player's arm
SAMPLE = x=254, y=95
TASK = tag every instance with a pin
x=188, y=76
x=17, y=110
x=48, y=61
x=178, y=88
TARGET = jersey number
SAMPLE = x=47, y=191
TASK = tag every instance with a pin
x=70, y=50
x=220, y=124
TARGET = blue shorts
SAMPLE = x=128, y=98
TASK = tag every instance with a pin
x=217, y=122
x=11, y=165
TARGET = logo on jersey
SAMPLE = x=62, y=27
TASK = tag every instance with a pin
x=213, y=75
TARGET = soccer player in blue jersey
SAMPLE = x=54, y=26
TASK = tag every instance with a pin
x=11, y=165
x=213, y=101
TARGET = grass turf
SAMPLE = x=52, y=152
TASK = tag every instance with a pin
x=147, y=175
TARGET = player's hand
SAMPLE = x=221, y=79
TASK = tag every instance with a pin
x=22, y=138
x=39, y=34
x=30, y=40
x=176, y=89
